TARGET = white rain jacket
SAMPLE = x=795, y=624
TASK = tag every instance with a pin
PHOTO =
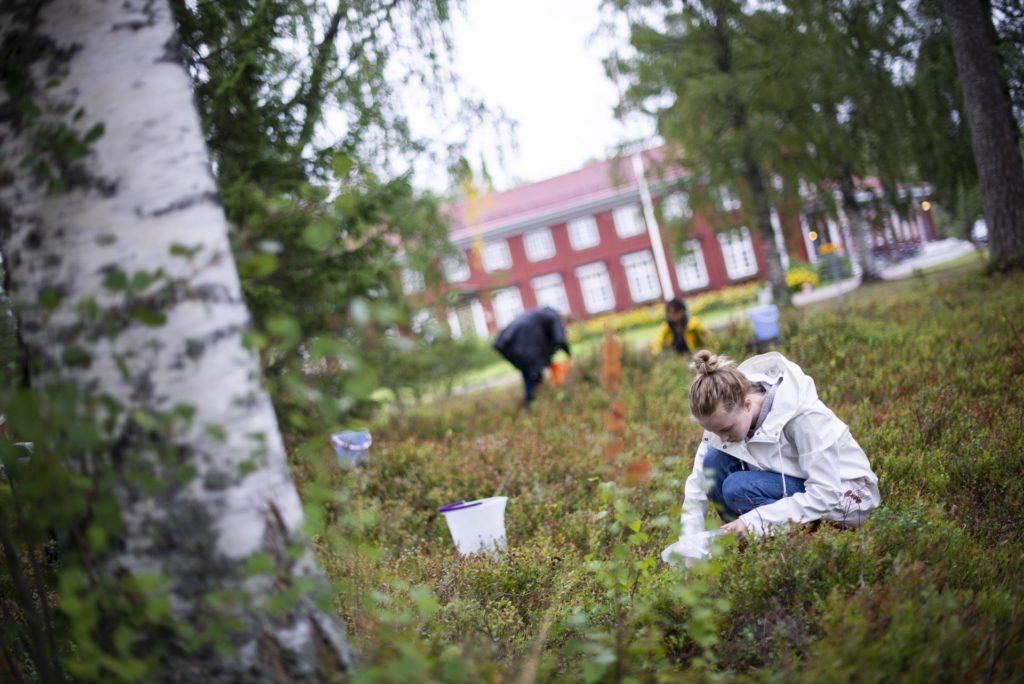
x=800, y=437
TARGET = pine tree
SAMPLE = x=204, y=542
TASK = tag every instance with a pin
x=704, y=76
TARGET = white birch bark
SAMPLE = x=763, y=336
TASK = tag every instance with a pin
x=143, y=190
x=860, y=230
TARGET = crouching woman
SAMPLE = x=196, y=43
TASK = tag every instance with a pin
x=772, y=453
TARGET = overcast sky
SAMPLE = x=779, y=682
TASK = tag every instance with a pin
x=534, y=59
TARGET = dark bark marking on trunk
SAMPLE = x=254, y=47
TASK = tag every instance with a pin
x=34, y=239
x=173, y=51
x=178, y=205
x=148, y=20
x=195, y=347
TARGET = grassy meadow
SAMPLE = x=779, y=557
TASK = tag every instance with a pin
x=928, y=373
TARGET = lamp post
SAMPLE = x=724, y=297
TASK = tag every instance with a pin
x=653, y=231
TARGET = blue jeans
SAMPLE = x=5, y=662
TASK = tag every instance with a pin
x=735, y=490
x=530, y=381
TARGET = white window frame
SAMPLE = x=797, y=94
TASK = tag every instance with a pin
x=596, y=287
x=412, y=281
x=479, y=318
x=456, y=268
x=628, y=220
x=549, y=290
x=421, y=320
x=691, y=269
x=676, y=206
x=641, y=276
x=738, y=253
x=454, y=327
x=496, y=256
x=728, y=200
x=583, y=233
x=506, y=304
x=538, y=244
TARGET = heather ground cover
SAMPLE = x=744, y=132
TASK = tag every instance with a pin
x=928, y=373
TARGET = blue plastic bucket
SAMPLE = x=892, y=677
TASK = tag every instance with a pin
x=351, y=447
x=766, y=322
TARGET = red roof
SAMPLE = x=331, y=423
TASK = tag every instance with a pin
x=592, y=183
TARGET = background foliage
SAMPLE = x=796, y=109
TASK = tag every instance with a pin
x=857, y=88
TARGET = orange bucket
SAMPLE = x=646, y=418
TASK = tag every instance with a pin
x=559, y=372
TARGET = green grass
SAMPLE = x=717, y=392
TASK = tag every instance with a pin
x=929, y=375
x=892, y=290
x=977, y=258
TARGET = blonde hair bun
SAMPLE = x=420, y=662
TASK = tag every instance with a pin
x=706, y=363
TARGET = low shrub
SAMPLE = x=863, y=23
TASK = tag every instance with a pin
x=928, y=589
x=799, y=275
x=831, y=267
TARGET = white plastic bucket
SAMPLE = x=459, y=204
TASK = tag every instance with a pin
x=693, y=546
x=766, y=322
x=477, y=525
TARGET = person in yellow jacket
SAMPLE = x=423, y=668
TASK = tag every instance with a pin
x=681, y=332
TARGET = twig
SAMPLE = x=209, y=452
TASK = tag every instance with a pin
x=529, y=671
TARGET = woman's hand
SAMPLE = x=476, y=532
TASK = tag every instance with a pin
x=737, y=527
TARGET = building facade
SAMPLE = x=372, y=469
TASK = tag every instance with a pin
x=586, y=243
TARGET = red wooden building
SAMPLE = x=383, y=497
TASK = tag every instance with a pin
x=588, y=242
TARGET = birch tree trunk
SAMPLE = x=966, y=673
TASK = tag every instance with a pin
x=994, y=135
x=762, y=211
x=118, y=260
x=859, y=228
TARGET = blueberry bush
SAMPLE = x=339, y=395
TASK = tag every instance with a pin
x=929, y=375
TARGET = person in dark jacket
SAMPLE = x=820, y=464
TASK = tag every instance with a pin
x=529, y=342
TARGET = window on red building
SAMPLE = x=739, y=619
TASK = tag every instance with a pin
x=641, y=276
x=412, y=281
x=727, y=199
x=596, y=287
x=628, y=221
x=507, y=303
x=583, y=233
x=691, y=271
x=738, y=253
x=496, y=256
x=676, y=206
x=550, y=291
x=456, y=270
x=538, y=244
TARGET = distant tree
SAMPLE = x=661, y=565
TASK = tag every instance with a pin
x=826, y=92
x=698, y=71
x=936, y=133
x=849, y=117
x=158, y=463
x=994, y=131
